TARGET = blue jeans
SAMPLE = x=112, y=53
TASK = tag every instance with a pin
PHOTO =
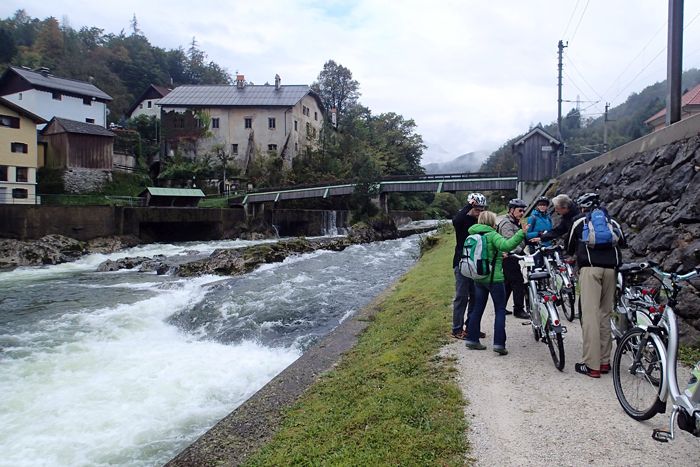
x=498, y=293
x=464, y=300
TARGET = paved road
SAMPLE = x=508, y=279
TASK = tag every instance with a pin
x=523, y=412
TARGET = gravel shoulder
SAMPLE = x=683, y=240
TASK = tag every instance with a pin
x=523, y=412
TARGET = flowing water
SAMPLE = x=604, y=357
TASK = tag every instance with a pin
x=128, y=368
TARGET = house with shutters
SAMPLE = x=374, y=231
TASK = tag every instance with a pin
x=48, y=96
x=147, y=103
x=19, y=156
x=244, y=119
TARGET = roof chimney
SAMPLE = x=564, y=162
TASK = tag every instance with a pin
x=240, y=81
x=278, y=80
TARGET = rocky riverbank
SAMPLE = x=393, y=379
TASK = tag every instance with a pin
x=57, y=249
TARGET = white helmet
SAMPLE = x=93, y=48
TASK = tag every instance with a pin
x=476, y=199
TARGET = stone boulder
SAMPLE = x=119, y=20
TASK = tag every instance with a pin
x=51, y=249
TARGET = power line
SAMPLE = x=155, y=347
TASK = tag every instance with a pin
x=566, y=29
x=571, y=62
x=579, y=21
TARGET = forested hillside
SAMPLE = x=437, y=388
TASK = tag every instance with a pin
x=123, y=65
x=584, y=137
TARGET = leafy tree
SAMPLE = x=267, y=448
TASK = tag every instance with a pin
x=337, y=88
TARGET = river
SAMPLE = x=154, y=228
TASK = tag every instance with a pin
x=128, y=368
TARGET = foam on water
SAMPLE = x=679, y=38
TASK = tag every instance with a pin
x=123, y=387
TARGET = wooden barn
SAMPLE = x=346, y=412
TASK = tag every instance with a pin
x=536, y=153
x=73, y=144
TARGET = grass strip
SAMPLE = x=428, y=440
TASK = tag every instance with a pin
x=392, y=400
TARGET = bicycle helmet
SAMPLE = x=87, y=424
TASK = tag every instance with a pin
x=516, y=203
x=588, y=200
x=476, y=199
x=542, y=200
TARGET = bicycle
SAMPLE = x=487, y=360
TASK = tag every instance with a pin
x=644, y=366
x=563, y=279
x=634, y=301
x=540, y=303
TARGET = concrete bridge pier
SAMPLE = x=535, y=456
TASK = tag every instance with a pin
x=382, y=202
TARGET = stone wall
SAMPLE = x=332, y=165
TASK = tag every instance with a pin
x=79, y=180
x=653, y=190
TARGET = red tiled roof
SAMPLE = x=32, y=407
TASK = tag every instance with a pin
x=690, y=98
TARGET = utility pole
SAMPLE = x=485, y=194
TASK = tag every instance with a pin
x=560, y=48
x=605, y=128
x=560, y=54
x=675, y=61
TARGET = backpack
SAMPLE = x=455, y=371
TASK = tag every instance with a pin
x=598, y=230
x=475, y=258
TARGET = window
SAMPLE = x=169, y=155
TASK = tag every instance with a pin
x=22, y=174
x=9, y=121
x=308, y=128
x=214, y=122
x=87, y=101
x=150, y=104
x=248, y=122
x=20, y=96
x=3, y=173
x=315, y=115
x=296, y=125
x=20, y=193
x=56, y=96
x=271, y=122
x=234, y=149
x=140, y=106
x=89, y=120
x=296, y=147
x=272, y=147
x=19, y=147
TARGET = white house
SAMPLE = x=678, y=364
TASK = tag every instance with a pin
x=147, y=103
x=244, y=119
x=49, y=96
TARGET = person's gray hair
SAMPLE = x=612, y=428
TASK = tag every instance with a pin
x=562, y=201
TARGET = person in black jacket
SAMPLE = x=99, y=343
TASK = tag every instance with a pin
x=568, y=211
x=597, y=265
x=464, y=286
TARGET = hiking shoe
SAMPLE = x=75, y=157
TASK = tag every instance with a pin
x=584, y=370
x=500, y=350
x=508, y=312
x=460, y=335
x=521, y=315
x=475, y=346
x=604, y=368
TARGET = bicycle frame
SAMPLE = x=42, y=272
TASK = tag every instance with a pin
x=686, y=405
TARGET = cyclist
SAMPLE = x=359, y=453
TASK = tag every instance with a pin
x=491, y=285
x=514, y=282
x=540, y=221
x=464, y=286
x=568, y=210
x=597, y=264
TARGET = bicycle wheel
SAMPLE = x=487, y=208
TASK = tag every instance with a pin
x=637, y=375
x=568, y=304
x=556, y=346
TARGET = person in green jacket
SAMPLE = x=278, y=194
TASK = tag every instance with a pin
x=492, y=285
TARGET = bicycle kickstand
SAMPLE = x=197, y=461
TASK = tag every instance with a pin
x=662, y=435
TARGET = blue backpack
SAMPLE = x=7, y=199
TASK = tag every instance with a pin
x=598, y=230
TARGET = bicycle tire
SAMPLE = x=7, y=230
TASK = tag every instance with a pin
x=555, y=345
x=637, y=376
x=568, y=304
x=528, y=308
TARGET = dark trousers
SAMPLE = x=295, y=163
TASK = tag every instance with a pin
x=514, y=283
x=463, y=301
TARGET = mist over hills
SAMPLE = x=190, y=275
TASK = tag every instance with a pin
x=469, y=162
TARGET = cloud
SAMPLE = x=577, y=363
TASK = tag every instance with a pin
x=470, y=74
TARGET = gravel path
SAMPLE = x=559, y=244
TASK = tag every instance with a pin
x=523, y=412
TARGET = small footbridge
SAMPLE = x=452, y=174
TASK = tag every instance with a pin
x=437, y=183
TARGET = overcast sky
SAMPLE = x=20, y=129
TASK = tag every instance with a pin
x=470, y=73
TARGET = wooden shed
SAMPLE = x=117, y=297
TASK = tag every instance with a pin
x=173, y=197
x=73, y=144
x=537, y=153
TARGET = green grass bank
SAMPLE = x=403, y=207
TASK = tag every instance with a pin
x=392, y=400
